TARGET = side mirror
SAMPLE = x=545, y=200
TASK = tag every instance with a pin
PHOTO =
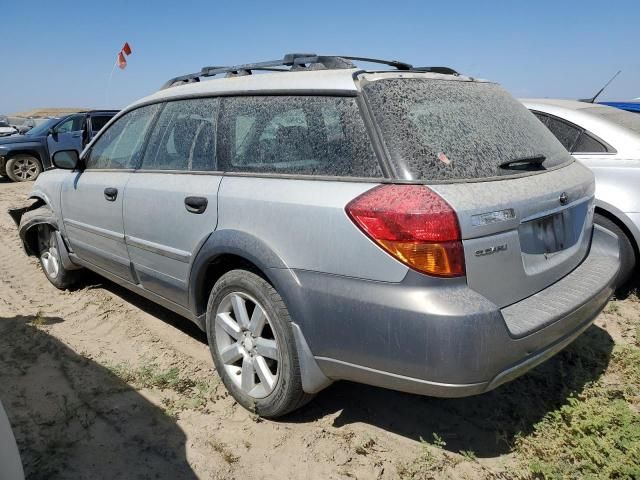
x=52, y=131
x=66, y=159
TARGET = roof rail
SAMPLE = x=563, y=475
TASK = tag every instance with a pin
x=443, y=70
x=297, y=62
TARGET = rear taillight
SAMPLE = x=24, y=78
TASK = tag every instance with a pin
x=414, y=224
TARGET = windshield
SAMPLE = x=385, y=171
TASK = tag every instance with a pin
x=442, y=130
x=628, y=120
x=43, y=128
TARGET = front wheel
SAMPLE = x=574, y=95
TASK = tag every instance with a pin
x=23, y=168
x=51, y=262
x=252, y=345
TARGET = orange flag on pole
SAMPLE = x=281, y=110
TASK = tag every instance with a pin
x=122, y=62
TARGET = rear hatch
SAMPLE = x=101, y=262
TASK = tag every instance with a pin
x=525, y=208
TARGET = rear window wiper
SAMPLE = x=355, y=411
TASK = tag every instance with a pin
x=526, y=163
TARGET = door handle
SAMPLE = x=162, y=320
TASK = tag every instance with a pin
x=111, y=194
x=196, y=204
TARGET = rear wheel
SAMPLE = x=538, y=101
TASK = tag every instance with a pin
x=23, y=168
x=51, y=262
x=252, y=344
x=628, y=258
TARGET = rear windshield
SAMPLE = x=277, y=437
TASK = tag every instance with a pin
x=442, y=130
x=628, y=120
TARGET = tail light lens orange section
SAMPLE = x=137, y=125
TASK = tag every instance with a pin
x=413, y=224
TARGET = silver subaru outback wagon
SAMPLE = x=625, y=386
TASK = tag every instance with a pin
x=410, y=227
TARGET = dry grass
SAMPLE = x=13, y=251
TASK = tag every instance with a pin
x=224, y=451
x=187, y=393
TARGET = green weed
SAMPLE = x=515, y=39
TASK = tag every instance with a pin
x=596, y=433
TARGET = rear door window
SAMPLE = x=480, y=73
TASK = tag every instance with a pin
x=541, y=116
x=305, y=135
x=587, y=144
x=184, y=137
x=566, y=133
x=448, y=130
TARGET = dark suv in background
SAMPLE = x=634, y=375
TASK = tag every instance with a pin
x=24, y=157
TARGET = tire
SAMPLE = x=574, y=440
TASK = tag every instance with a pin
x=628, y=258
x=255, y=355
x=23, y=168
x=49, y=256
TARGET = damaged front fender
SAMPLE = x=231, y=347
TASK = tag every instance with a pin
x=28, y=218
x=16, y=213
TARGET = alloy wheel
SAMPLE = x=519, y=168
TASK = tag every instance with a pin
x=246, y=344
x=50, y=257
x=25, y=169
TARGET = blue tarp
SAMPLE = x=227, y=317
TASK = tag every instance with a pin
x=628, y=106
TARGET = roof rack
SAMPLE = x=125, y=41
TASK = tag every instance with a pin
x=298, y=62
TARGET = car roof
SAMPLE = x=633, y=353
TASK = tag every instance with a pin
x=561, y=103
x=273, y=82
x=338, y=81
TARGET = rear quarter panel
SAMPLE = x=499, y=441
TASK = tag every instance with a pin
x=617, y=181
x=304, y=223
x=617, y=188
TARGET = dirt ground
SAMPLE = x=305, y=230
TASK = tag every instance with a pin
x=100, y=383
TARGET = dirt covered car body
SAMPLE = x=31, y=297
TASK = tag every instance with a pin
x=413, y=229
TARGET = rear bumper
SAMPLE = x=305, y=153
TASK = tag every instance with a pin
x=446, y=340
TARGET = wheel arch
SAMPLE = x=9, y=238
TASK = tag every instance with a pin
x=29, y=219
x=623, y=222
x=226, y=250
x=223, y=251
x=25, y=151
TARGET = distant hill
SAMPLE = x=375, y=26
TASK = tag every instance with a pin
x=47, y=112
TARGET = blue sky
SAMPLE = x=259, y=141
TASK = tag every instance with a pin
x=59, y=54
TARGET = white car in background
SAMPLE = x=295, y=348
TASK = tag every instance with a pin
x=5, y=128
x=10, y=463
x=607, y=140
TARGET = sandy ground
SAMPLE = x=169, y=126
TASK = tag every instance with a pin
x=73, y=366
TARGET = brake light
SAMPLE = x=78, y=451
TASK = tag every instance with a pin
x=414, y=224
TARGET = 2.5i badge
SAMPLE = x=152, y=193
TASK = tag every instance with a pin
x=491, y=250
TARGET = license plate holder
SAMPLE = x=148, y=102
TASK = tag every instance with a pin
x=550, y=232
